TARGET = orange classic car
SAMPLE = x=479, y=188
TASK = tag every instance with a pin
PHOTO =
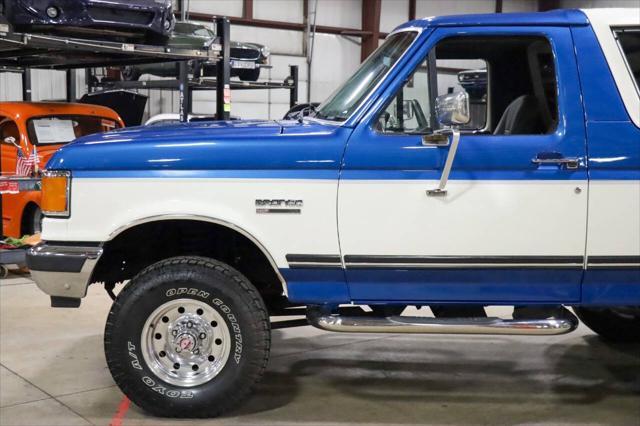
x=34, y=131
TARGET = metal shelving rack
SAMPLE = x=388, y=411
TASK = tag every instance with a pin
x=19, y=52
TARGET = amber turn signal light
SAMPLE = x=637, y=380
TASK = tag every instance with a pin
x=55, y=193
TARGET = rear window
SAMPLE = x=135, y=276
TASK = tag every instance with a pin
x=65, y=128
x=629, y=41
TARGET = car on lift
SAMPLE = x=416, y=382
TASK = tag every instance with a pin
x=474, y=82
x=40, y=129
x=246, y=58
x=129, y=20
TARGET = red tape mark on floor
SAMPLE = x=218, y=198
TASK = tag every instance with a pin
x=123, y=407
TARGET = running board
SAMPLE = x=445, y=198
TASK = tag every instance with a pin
x=324, y=320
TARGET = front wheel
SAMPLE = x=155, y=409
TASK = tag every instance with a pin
x=612, y=324
x=187, y=337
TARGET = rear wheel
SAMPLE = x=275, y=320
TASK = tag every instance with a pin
x=187, y=337
x=612, y=324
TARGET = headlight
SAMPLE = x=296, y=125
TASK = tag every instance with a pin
x=56, y=186
x=265, y=51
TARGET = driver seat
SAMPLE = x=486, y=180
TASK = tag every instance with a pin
x=521, y=117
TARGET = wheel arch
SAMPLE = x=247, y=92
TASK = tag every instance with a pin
x=170, y=223
x=28, y=208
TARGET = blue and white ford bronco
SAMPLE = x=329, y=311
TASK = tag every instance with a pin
x=400, y=189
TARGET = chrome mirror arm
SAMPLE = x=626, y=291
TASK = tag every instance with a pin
x=11, y=140
x=440, y=191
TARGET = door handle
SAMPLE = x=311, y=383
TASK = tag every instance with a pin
x=555, y=158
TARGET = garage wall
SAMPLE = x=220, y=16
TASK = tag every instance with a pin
x=10, y=87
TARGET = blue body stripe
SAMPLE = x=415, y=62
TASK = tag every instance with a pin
x=606, y=287
x=611, y=287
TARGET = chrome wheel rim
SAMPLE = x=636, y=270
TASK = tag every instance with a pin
x=185, y=342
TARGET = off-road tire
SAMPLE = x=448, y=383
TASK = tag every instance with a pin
x=204, y=280
x=611, y=324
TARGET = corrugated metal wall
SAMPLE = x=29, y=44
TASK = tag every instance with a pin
x=335, y=57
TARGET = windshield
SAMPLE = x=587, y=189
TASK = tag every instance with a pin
x=65, y=128
x=346, y=99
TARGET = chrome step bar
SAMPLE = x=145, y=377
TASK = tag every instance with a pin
x=323, y=319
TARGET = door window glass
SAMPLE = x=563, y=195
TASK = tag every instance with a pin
x=510, y=83
x=410, y=110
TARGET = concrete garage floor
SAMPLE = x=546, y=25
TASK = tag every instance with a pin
x=53, y=372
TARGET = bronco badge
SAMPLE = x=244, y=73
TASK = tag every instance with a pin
x=278, y=206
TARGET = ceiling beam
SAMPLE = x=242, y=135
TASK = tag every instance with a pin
x=371, y=24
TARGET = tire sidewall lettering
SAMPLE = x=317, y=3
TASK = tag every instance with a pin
x=154, y=384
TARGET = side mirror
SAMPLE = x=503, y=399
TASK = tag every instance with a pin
x=11, y=141
x=452, y=109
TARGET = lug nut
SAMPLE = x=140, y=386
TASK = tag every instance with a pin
x=203, y=336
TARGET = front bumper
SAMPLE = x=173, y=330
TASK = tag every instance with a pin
x=63, y=270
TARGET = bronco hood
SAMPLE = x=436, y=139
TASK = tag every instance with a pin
x=215, y=145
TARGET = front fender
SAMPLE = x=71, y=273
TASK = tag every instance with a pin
x=101, y=208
